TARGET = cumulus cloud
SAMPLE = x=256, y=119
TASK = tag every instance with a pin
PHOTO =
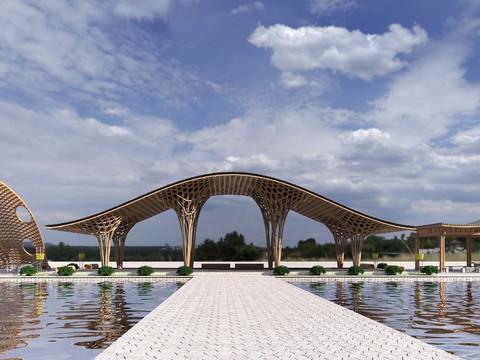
x=430, y=97
x=352, y=53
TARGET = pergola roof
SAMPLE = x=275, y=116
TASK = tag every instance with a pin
x=451, y=230
x=259, y=187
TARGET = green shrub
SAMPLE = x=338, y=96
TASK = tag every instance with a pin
x=382, y=266
x=184, y=270
x=66, y=270
x=145, y=270
x=74, y=265
x=28, y=270
x=281, y=270
x=105, y=271
x=317, y=270
x=355, y=270
x=393, y=270
x=429, y=270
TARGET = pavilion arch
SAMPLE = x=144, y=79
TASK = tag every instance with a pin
x=275, y=199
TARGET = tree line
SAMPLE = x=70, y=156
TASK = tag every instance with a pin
x=233, y=247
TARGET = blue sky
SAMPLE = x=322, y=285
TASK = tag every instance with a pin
x=374, y=104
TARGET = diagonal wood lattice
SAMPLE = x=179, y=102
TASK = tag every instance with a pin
x=275, y=198
x=14, y=230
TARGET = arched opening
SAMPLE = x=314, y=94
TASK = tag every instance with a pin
x=23, y=214
x=28, y=247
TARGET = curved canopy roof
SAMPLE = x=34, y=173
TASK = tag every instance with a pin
x=261, y=188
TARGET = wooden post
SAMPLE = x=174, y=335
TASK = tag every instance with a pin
x=469, y=250
x=417, y=252
x=442, y=253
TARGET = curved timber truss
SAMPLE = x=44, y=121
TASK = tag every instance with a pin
x=275, y=198
x=17, y=225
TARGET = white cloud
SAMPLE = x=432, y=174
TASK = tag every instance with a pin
x=323, y=7
x=468, y=138
x=431, y=96
x=352, y=53
x=144, y=9
x=69, y=51
x=245, y=8
x=363, y=136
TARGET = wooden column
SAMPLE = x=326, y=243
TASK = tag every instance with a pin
x=442, y=253
x=104, y=232
x=119, y=237
x=417, y=252
x=340, y=236
x=469, y=250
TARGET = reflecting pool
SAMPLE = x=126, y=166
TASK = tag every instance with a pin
x=56, y=321
x=443, y=314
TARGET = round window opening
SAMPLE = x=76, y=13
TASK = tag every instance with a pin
x=28, y=247
x=23, y=214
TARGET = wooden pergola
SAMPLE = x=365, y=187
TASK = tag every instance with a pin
x=442, y=231
x=275, y=198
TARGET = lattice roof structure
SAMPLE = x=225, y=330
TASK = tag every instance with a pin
x=274, y=197
x=14, y=230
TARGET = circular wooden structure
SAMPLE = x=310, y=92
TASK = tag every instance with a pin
x=275, y=198
x=18, y=225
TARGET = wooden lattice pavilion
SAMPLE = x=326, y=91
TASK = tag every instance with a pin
x=275, y=198
x=15, y=230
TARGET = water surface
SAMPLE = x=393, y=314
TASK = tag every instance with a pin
x=443, y=314
x=59, y=321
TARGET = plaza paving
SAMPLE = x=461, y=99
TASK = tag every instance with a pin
x=220, y=315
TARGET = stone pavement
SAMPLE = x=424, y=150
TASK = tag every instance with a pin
x=250, y=316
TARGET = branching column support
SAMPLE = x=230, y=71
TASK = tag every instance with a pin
x=340, y=236
x=104, y=236
x=274, y=206
x=357, y=240
x=119, y=237
x=188, y=211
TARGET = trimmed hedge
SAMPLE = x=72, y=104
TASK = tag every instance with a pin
x=105, y=271
x=281, y=270
x=382, y=266
x=184, y=270
x=355, y=270
x=317, y=270
x=393, y=270
x=145, y=270
x=66, y=270
x=28, y=270
x=429, y=270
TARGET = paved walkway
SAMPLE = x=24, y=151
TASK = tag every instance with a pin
x=241, y=316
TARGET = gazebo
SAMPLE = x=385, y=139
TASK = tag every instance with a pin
x=442, y=231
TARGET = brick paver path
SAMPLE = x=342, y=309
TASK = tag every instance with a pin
x=242, y=316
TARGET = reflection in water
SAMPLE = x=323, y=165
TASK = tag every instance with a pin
x=19, y=311
x=37, y=319
x=444, y=314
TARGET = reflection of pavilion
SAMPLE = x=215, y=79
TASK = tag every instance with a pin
x=106, y=321
x=21, y=306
